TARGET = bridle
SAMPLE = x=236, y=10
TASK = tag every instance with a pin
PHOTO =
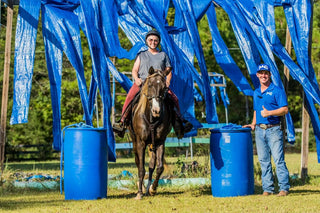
x=153, y=125
x=161, y=97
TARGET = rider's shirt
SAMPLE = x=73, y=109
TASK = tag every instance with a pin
x=159, y=60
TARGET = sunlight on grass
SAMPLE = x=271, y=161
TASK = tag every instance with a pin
x=303, y=197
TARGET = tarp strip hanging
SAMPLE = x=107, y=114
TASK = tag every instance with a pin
x=62, y=31
x=223, y=57
x=299, y=24
x=99, y=67
x=242, y=21
x=25, y=43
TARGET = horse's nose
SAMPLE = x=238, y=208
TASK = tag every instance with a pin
x=156, y=112
x=155, y=108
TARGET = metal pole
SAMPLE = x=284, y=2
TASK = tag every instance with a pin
x=113, y=109
x=5, y=87
x=225, y=95
x=97, y=108
x=191, y=148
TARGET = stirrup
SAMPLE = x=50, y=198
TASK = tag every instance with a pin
x=119, y=127
x=121, y=134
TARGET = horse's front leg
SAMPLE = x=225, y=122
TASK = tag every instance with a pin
x=152, y=165
x=160, y=168
x=139, y=158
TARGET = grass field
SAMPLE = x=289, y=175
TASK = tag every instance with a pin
x=303, y=197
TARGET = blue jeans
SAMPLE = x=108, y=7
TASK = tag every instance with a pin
x=270, y=142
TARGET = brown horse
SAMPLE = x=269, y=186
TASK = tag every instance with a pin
x=151, y=123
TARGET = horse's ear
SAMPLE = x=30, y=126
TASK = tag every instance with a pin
x=151, y=70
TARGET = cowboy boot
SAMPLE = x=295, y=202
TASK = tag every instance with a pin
x=119, y=128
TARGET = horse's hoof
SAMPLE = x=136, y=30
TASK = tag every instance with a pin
x=152, y=192
x=138, y=197
x=143, y=187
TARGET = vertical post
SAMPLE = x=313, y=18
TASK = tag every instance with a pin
x=225, y=94
x=113, y=109
x=247, y=109
x=304, y=142
x=97, y=109
x=286, y=71
x=305, y=116
x=5, y=87
x=191, y=149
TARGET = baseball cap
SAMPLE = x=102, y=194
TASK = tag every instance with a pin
x=263, y=67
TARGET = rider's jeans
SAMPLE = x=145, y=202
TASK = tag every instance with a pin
x=270, y=142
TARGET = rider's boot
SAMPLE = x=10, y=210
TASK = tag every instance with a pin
x=120, y=126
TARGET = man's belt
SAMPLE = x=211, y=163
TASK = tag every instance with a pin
x=267, y=126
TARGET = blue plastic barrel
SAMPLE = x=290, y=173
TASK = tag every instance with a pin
x=231, y=157
x=85, y=164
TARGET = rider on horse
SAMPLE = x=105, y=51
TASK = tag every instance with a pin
x=158, y=60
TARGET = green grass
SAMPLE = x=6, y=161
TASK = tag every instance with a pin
x=303, y=197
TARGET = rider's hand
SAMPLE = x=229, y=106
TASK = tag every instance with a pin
x=138, y=81
x=167, y=83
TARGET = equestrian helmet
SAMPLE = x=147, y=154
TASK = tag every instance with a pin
x=153, y=32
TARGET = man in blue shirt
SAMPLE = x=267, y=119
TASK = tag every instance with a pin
x=269, y=104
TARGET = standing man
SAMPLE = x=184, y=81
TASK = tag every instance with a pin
x=269, y=104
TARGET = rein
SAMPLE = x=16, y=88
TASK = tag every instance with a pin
x=152, y=127
x=149, y=97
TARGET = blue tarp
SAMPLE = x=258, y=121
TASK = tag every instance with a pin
x=252, y=21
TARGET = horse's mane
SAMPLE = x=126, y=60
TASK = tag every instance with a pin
x=142, y=103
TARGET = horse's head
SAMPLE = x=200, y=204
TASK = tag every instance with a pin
x=155, y=90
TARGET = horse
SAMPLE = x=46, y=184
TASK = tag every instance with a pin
x=150, y=124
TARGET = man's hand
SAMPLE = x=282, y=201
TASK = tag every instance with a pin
x=264, y=113
x=252, y=126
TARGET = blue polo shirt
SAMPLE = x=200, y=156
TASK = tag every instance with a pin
x=272, y=98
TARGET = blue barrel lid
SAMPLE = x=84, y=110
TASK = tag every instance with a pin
x=230, y=128
x=82, y=126
x=85, y=129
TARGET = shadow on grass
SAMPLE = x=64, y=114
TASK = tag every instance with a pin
x=34, y=166
x=19, y=199
x=132, y=195
x=305, y=192
x=35, y=199
x=123, y=165
x=308, y=180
